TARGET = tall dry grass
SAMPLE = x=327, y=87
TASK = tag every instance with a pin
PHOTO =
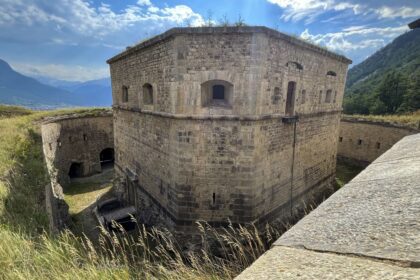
x=28, y=252
x=148, y=254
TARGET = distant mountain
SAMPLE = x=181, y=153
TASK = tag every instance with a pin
x=100, y=88
x=66, y=85
x=396, y=65
x=18, y=89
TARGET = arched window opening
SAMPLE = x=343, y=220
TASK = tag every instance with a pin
x=294, y=65
x=106, y=158
x=76, y=170
x=147, y=94
x=290, y=99
x=328, y=96
x=217, y=93
x=125, y=94
x=331, y=73
x=320, y=97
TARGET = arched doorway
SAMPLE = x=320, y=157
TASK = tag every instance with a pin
x=76, y=170
x=106, y=158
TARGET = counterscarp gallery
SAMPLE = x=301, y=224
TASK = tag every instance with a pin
x=225, y=123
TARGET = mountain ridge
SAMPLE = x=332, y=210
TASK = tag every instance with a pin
x=18, y=89
x=395, y=65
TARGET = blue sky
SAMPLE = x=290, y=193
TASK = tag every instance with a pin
x=71, y=39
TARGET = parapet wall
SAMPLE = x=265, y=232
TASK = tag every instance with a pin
x=73, y=145
x=369, y=229
x=76, y=140
x=362, y=141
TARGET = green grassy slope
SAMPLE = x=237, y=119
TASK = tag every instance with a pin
x=397, y=61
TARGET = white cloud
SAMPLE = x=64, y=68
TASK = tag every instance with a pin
x=62, y=72
x=82, y=18
x=402, y=12
x=308, y=10
x=80, y=26
x=355, y=37
x=144, y=2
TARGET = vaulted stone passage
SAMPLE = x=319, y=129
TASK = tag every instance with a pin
x=107, y=158
x=76, y=170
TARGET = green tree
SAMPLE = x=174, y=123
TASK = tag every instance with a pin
x=392, y=90
x=411, y=100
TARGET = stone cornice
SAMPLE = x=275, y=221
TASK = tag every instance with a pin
x=227, y=30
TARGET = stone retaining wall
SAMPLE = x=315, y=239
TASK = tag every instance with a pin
x=369, y=229
x=362, y=141
x=67, y=140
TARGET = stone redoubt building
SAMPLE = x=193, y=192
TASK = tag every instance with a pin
x=219, y=123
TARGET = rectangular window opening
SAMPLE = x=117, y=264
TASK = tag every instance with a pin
x=218, y=92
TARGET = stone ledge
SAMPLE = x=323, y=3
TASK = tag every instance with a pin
x=370, y=228
x=293, y=263
x=58, y=118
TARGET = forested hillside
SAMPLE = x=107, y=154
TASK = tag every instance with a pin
x=388, y=81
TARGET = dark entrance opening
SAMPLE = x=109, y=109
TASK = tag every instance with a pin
x=290, y=100
x=218, y=92
x=106, y=158
x=76, y=170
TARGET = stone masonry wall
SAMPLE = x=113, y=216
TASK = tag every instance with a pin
x=76, y=140
x=363, y=141
x=69, y=139
x=185, y=161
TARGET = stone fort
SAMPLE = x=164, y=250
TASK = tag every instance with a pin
x=225, y=124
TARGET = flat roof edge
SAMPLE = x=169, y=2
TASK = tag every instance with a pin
x=227, y=29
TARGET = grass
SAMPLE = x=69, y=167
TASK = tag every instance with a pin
x=346, y=172
x=80, y=197
x=28, y=252
x=81, y=194
x=411, y=119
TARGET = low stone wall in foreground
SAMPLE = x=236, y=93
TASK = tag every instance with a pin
x=369, y=229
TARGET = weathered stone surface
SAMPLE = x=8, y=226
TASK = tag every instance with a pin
x=293, y=263
x=369, y=229
x=195, y=159
x=72, y=139
x=376, y=214
x=76, y=139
